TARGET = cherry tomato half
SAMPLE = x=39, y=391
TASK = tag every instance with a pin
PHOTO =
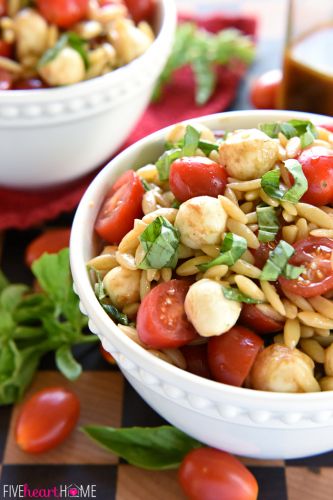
x=52, y=241
x=6, y=79
x=231, y=355
x=63, y=13
x=197, y=359
x=210, y=474
x=141, y=10
x=6, y=49
x=317, y=165
x=119, y=210
x=197, y=176
x=261, y=253
x=29, y=84
x=265, y=89
x=315, y=254
x=46, y=419
x=252, y=317
x=161, y=319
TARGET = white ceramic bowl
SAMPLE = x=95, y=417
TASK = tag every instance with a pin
x=242, y=421
x=52, y=136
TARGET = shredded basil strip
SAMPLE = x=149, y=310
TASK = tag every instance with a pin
x=232, y=249
x=268, y=223
x=277, y=263
x=295, y=193
x=231, y=293
x=145, y=184
x=115, y=314
x=207, y=146
x=270, y=183
x=67, y=39
x=304, y=129
x=160, y=241
x=164, y=162
x=191, y=141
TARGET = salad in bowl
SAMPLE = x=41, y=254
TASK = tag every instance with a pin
x=213, y=256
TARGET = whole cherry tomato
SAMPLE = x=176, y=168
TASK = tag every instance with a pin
x=141, y=10
x=253, y=317
x=317, y=165
x=197, y=359
x=197, y=176
x=265, y=89
x=63, y=13
x=161, y=319
x=210, y=474
x=6, y=79
x=315, y=254
x=46, y=419
x=6, y=49
x=119, y=210
x=51, y=241
x=231, y=355
x=29, y=84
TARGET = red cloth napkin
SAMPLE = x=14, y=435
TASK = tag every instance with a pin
x=22, y=209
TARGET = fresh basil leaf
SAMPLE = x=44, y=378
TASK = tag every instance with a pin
x=268, y=223
x=66, y=363
x=79, y=44
x=53, y=52
x=164, y=162
x=304, y=129
x=295, y=193
x=231, y=293
x=116, y=315
x=207, y=146
x=191, y=141
x=292, y=272
x=3, y=281
x=232, y=249
x=155, y=448
x=176, y=204
x=270, y=183
x=67, y=39
x=205, y=79
x=160, y=242
x=271, y=129
x=12, y=296
x=277, y=262
x=145, y=184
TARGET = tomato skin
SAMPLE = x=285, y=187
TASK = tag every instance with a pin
x=29, y=84
x=141, y=10
x=261, y=253
x=309, y=252
x=197, y=176
x=210, y=474
x=254, y=318
x=107, y=356
x=6, y=79
x=51, y=241
x=6, y=49
x=265, y=89
x=123, y=179
x=161, y=319
x=231, y=355
x=317, y=165
x=63, y=13
x=120, y=208
x=197, y=360
x=3, y=7
x=46, y=419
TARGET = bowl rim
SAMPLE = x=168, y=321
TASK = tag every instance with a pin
x=90, y=302
x=168, y=13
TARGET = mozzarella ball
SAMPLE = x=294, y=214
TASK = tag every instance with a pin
x=122, y=286
x=31, y=31
x=201, y=221
x=177, y=132
x=248, y=154
x=128, y=40
x=65, y=69
x=208, y=310
x=281, y=369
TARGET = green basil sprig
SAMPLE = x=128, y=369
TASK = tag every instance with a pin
x=191, y=141
x=160, y=242
x=68, y=39
x=304, y=129
x=232, y=293
x=154, y=448
x=232, y=249
x=270, y=183
x=268, y=223
x=277, y=263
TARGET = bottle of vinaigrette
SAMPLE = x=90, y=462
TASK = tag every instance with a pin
x=308, y=57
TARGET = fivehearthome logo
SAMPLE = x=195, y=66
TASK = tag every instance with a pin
x=69, y=491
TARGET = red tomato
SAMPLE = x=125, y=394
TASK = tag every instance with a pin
x=210, y=474
x=6, y=49
x=197, y=360
x=197, y=176
x=46, y=419
x=119, y=210
x=3, y=7
x=317, y=165
x=6, y=79
x=328, y=127
x=141, y=10
x=254, y=318
x=315, y=254
x=262, y=252
x=264, y=91
x=63, y=13
x=29, y=84
x=52, y=241
x=123, y=179
x=107, y=356
x=231, y=355
x=161, y=319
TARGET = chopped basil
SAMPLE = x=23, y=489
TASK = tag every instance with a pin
x=164, y=162
x=115, y=314
x=99, y=287
x=231, y=293
x=268, y=223
x=207, y=146
x=277, y=263
x=191, y=141
x=303, y=129
x=270, y=183
x=176, y=204
x=160, y=241
x=67, y=39
x=145, y=184
x=232, y=249
x=295, y=193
